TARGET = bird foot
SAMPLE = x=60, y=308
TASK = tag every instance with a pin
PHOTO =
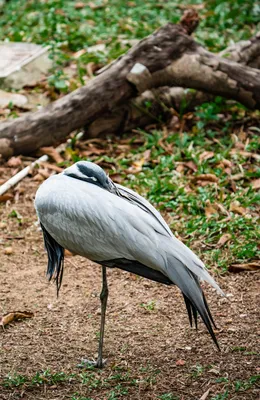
x=86, y=363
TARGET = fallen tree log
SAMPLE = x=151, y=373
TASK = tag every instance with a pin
x=169, y=57
x=160, y=100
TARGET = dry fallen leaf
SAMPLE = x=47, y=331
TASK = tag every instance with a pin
x=59, y=11
x=233, y=186
x=147, y=155
x=138, y=164
x=79, y=5
x=238, y=176
x=206, y=177
x=246, y=154
x=93, y=151
x=68, y=253
x=117, y=178
x=44, y=172
x=256, y=184
x=251, y=266
x=52, y=167
x=38, y=178
x=221, y=208
x=210, y=210
x=191, y=165
x=51, y=152
x=94, y=6
x=223, y=240
x=180, y=362
x=14, y=316
x=205, y=395
x=236, y=208
x=79, y=53
x=206, y=155
x=227, y=163
x=5, y=197
x=91, y=67
x=180, y=168
x=14, y=162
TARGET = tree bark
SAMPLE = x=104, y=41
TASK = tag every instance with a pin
x=168, y=57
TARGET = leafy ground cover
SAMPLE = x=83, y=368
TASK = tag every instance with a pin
x=201, y=171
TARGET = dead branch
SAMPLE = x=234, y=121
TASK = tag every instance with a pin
x=162, y=99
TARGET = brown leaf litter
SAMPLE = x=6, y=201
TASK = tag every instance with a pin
x=14, y=316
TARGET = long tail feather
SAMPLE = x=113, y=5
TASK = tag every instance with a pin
x=55, y=258
x=194, y=298
x=189, y=309
x=208, y=310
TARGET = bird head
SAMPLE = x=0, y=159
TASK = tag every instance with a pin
x=91, y=173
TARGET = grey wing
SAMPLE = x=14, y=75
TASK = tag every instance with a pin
x=141, y=202
x=174, y=247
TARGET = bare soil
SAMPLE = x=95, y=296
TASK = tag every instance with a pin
x=147, y=343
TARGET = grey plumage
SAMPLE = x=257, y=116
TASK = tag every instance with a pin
x=83, y=211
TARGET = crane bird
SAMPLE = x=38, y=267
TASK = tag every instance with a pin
x=84, y=211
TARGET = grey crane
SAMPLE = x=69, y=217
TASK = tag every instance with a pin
x=84, y=211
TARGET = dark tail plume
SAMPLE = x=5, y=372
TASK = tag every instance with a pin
x=194, y=297
x=55, y=258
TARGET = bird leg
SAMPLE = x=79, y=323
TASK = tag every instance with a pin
x=103, y=299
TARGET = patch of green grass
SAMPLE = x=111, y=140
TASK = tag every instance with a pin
x=76, y=397
x=221, y=396
x=16, y=215
x=197, y=370
x=236, y=386
x=117, y=383
x=91, y=380
x=15, y=380
x=238, y=349
x=244, y=385
x=168, y=396
x=150, y=306
x=117, y=392
x=44, y=377
x=222, y=379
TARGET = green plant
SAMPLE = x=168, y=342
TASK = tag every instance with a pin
x=168, y=396
x=150, y=306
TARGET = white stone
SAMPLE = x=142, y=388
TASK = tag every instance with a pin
x=22, y=64
x=14, y=98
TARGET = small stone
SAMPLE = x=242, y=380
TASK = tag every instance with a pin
x=15, y=99
x=8, y=251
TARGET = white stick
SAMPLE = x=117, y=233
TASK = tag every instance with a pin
x=22, y=174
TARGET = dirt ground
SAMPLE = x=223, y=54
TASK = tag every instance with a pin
x=147, y=338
